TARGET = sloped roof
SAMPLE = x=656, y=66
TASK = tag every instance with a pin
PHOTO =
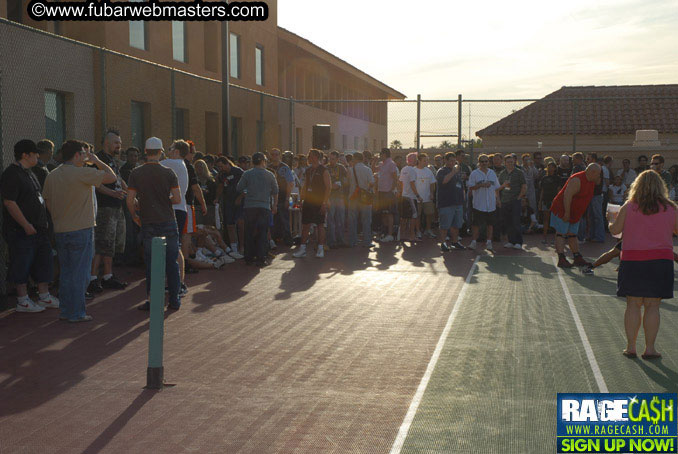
x=600, y=110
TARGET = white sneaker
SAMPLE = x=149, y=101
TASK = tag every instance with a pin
x=51, y=302
x=273, y=245
x=488, y=245
x=301, y=252
x=472, y=245
x=227, y=258
x=518, y=246
x=508, y=245
x=387, y=239
x=235, y=255
x=321, y=253
x=429, y=234
x=419, y=235
x=28, y=305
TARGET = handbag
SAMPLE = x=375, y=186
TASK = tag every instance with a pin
x=363, y=195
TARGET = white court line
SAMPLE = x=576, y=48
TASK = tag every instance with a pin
x=582, y=334
x=416, y=400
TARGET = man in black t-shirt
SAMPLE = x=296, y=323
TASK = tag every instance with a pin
x=25, y=229
x=315, y=195
x=109, y=232
x=231, y=206
x=285, y=178
x=157, y=188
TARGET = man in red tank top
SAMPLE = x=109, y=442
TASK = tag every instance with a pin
x=567, y=209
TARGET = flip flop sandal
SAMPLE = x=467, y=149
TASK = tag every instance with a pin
x=629, y=354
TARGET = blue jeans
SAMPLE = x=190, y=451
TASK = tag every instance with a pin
x=336, y=218
x=510, y=213
x=76, y=250
x=355, y=209
x=256, y=233
x=171, y=233
x=597, y=228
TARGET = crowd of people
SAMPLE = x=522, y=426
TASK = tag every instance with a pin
x=84, y=213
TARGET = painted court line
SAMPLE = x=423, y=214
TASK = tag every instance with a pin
x=582, y=334
x=416, y=400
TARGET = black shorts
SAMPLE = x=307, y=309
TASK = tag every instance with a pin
x=483, y=218
x=311, y=213
x=181, y=217
x=387, y=203
x=408, y=208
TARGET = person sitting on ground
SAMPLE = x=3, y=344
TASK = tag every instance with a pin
x=567, y=209
x=647, y=221
x=25, y=228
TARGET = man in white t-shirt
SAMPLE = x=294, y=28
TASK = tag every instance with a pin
x=176, y=163
x=483, y=183
x=409, y=198
x=425, y=184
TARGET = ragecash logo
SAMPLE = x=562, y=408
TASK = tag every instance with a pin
x=616, y=423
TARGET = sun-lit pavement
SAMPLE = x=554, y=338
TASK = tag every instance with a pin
x=306, y=355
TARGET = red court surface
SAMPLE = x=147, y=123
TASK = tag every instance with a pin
x=306, y=355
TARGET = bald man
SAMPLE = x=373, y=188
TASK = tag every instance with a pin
x=567, y=209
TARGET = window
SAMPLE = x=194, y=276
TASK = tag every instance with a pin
x=55, y=117
x=235, y=56
x=211, y=54
x=259, y=64
x=236, y=136
x=137, y=34
x=181, y=124
x=15, y=11
x=138, y=123
x=179, y=50
x=212, y=133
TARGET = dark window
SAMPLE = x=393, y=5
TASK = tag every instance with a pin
x=259, y=64
x=138, y=122
x=181, y=124
x=55, y=117
x=15, y=10
x=212, y=133
x=236, y=136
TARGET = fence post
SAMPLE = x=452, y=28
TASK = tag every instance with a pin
x=574, y=126
x=291, y=126
x=173, y=105
x=418, y=142
x=459, y=121
x=155, y=371
x=225, y=94
x=104, y=120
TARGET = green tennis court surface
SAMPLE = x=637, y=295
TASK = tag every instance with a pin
x=514, y=344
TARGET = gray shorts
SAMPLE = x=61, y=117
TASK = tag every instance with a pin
x=109, y=233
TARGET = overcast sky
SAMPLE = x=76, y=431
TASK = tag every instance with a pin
x=494, y=49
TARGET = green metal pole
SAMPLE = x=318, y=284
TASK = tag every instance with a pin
x=155, y=372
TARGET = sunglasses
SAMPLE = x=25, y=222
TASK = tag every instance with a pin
x=483, y=160
x=655, y=164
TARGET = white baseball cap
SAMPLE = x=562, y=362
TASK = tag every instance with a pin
x=153, y=143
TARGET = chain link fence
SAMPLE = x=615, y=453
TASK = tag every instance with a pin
x=57, y=88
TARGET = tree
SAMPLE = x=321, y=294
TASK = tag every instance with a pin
x=396, y=145
x=446, y=144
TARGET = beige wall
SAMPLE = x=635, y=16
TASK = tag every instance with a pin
x=31, y=64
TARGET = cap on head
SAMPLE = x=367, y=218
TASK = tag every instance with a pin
x=153, y=143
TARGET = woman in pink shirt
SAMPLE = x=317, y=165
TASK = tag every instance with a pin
x=647, y=220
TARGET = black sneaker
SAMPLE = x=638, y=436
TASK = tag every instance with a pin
x=458, y=246
x=95, y=287
x=587, y=270
x=183, y=291
x=89, y=295
x=113, y=283
x=444, y=247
